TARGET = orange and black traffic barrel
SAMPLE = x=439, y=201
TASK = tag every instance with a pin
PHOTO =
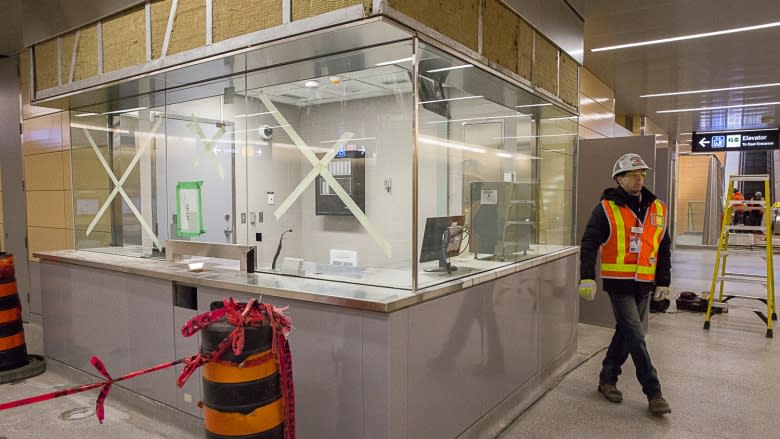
x=242, y=395
x=13, y=350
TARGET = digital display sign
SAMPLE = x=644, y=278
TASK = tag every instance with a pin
x=725, y=141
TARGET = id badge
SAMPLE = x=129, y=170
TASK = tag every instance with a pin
x=635, y=245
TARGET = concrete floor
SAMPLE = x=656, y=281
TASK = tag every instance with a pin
x=721, y=383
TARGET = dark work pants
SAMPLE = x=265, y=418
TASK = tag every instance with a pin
x=630, y=311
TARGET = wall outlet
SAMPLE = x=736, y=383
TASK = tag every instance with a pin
x=269, y=198
x=188, y=398
x=243, y=217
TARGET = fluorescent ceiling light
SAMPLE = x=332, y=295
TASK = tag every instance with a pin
x=478, y=118
x=395, y=61
x=687, y=37
x=125, y=111
x=562, y=118
x=253, y=114
x=351, y=140
x=86, y=114
x=719, y=107
x=533, y=105
x=464, y=66
x=454, y=145
x=451, y=99
x=534, y=137
x=710, y=90
x=99, y=128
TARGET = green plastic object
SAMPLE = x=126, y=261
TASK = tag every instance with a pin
x=189, y=212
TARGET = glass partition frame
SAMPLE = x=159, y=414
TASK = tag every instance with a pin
x=440, y=135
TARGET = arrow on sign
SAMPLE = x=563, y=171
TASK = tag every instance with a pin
x=362, y=150
x=703, y=142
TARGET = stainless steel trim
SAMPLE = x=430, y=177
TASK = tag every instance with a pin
x=362, y=297
x=209, y=22
x=415, y=168
x=148, y=20
x=31, y=71
x=59, y=60
x=175, y=249
x=74, y=55
x=286, y=11
x=169, y=28
x=100, y=47
x=479, y=25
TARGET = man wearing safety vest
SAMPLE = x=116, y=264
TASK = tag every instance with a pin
x=629, y=226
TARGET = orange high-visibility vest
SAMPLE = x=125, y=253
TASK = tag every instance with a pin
x=618, y=259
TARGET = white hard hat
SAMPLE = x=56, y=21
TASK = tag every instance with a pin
x=628, y=162
x=758, y=194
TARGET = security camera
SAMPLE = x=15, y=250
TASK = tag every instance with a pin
x=266, y=132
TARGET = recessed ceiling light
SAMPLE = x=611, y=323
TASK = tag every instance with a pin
x=533, y=105
x=710, y=90
x=451, y=99
x=719, y=107
x=126, y=111
x=687, y=37
x=464, y=66
x=311, y=84
x=395, y=61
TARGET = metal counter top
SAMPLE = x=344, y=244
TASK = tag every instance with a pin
x=362, y=297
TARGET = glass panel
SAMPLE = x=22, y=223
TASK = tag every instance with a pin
x=114, y=166
x=482, y=169
x=330, y=184
x=206, y=142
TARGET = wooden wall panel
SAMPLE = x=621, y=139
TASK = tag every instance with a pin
x=457, y=19
x=545, y=67
x=239, y=17
x=309, y=8
x=124, y=40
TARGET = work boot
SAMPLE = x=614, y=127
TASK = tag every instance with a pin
x=658, y=405
x=611, y=393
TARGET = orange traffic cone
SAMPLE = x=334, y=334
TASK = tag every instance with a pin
x=15, y=364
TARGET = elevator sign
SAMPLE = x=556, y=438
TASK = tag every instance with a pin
x=725, y=141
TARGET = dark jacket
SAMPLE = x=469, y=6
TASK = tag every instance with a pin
x=597, y=232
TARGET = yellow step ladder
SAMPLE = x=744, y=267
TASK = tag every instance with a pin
x=720, y=275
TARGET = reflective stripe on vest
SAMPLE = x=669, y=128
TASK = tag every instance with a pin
x=617, y=261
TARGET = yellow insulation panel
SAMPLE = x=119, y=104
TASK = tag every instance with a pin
x=525, y=49
x=124, y=40
x=499, y=35
x=568, y=82
x=189, y=26
x=457, y=19
x=545, y=67
x=309, y=8
x=66, y=55
x=86, y=56
x=46, y=65
x=240, y=17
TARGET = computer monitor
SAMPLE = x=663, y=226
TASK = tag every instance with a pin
x=441, y=239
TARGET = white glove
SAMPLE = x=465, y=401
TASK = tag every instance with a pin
x=588, y=289
x=661, y=293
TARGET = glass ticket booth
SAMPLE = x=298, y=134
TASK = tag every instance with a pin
x=394, y=163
